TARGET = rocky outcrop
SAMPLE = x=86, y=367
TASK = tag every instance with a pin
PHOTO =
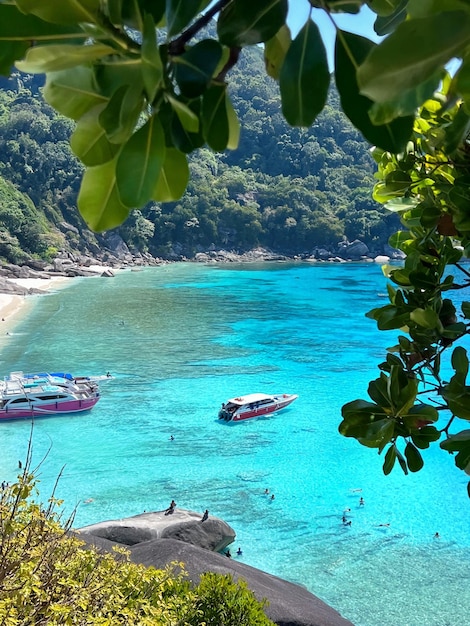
x=160, y=538
x=7, y=286
x=353, y=251
x=250, y=256
x=187, y=526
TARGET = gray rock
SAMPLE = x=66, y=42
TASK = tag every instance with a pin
x=322, y=254
x=7, y=286
x=157, y=540
x=117, y=246
x=289, y=604
x=353, y=251
x=183, y=525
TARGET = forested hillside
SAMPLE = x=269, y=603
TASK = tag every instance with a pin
x=287, y=189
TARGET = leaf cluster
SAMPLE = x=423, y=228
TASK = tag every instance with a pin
x=146, y=90
x=427, y=186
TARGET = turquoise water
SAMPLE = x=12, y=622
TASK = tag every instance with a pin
x=183, y=338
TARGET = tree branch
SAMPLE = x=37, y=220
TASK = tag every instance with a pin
x=176, y=47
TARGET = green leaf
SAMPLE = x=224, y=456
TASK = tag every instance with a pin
x=457, y=396
x=402, y=461
x=89, y=141
x=412, y=54
x=152, y=67
x=413, y=457
x=398, y=181
x=122, y=71
x=377, y=434
x=179, y=13
x=407, y=102
x=195, y=68
x=379, y=392
x=233, y=125
x=15, y=26
x=11, y=51
x=457, y=131
x=342, y=6
x=58, y=57
x=188, y=119
x=462, y=78
x=427, y=318
x=173, y=177
x=245, y=23
x=360, y=408
x=98, y=199
x=63, y=12
x=391, y=317
x=388, y=22
x=305, y=77
x=424, y=436
x=275, y=50
x=367, y=423
x=120, y=116
x=466, y=309
x=132, y=12
x=139, y=164
x=182, y=135
x=384, y=7
x=350, y=51
x=214, y=117
x=459, y=443
x=459, y=361
x=389, y=461
x=401, y=204
x=73, y=92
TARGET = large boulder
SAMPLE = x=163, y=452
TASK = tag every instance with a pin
x=288, y=604
x=160, y=538
x=181, y=524
x=353, y=251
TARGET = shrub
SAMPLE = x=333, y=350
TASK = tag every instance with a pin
x=47, y=577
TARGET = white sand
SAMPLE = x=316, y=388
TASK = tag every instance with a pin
x=13, y=306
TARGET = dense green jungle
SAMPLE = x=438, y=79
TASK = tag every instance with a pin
x=287, y=189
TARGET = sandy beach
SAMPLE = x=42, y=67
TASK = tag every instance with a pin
x=13, y=306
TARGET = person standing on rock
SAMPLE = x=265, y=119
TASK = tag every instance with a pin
x=171, y=508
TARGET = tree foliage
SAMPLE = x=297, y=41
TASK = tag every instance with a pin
x=305, y=176
x=423, y=393
x=146, y=89
x=48, y=577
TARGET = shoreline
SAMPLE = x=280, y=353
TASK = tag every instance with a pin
x=14, y=307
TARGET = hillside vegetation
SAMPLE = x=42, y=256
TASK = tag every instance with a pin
x=288, y=189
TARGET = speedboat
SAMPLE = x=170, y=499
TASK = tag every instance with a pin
x=36, y=395
x=254, y=405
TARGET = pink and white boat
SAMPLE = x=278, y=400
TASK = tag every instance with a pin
x=39, y=395
x=254, y=405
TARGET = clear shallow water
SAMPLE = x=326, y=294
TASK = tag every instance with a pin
x=181, y=339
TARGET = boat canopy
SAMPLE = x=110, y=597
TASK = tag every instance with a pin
x=248, y=399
